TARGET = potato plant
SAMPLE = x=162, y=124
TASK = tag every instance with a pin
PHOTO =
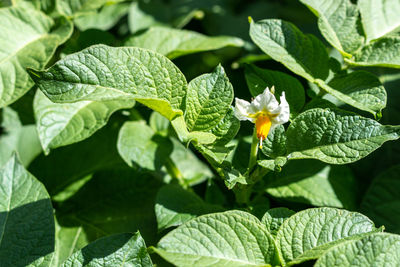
x=199, y=133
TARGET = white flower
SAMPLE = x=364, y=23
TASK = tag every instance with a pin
x=264, y=111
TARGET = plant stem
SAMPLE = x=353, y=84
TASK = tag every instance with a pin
x=175, y=173
x=253, y=151
x=242, y=193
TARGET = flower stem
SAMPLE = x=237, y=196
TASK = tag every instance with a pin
x=253, y=151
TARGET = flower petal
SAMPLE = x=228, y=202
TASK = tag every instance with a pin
x=242, y=109
x=264, y=102
x=284, y=111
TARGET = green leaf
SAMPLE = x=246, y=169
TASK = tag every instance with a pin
x=139, y=146
x=232, y=176
x=35, y=37
x=71, y=189
x=115, y=250
x=273, y=164
x=159, y=123
x=382, y=52
x=65, y=166
x=315, y=183
x=47, y=6
x=258, y=79
x=232, y=238
x=274, y=218
x=139, y=19
x=104, y=19
x=226, y=129
x=174, y=13
x=379, y=17
x=217, y=155
x=275, y=144
x=68, y=241
x=64, y=124
x=359, y=89
x=26, y=218
x=82, y=40
x=175, y=206
x=382, y=200
x=194, y=171
x=76, y=7
x=115, y=201
x=23, y=139
x=308, y=233
x=174, y=43
x=380, y=249
x=336, y=136
x=101, y=73
x=209, y=98
x=186, y=137
x=319, y=103
x=281, y=41
x=339, y=23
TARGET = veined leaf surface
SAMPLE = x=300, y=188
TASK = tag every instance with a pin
x=28, y=39
x=101, y=73
x=336, y=136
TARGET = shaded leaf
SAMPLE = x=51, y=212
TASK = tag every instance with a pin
x=194, y=171
x=104, y=19
x=76, y=7
x=22, y=139
x=116, y=201
x=64, y=124
x=314, y=183
x=115, y=250
x=68, y=164
x=382, y=200
x=175, y=206
x=139, y=146
x=68, y=241
x=26, y=218
x=174, y=43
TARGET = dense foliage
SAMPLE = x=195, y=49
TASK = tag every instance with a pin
x=120, y=144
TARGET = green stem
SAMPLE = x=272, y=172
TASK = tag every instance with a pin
x=242, y=193
x=175, y=173
x=253, y=151
x=258, y=174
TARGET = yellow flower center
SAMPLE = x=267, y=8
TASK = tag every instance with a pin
x=263, y=125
